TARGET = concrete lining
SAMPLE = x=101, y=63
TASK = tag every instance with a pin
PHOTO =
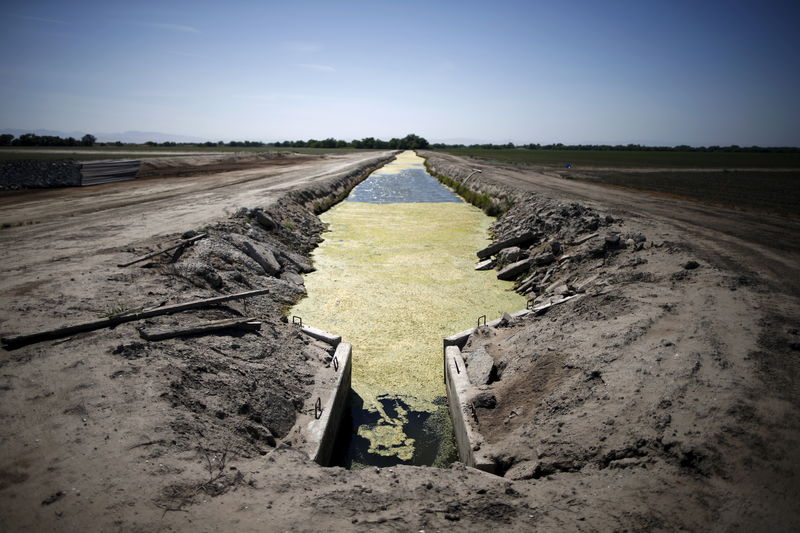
x=460, y=339
x=320, y=433
x=321, y=335
x=459, y=388
x=459, y=391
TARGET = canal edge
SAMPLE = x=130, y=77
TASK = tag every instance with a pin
x=469, y=440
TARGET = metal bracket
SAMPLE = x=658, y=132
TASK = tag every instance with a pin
x=456, y=363
x=297, y=320
x=482, y=317
x=335, y=362
x=318, y=408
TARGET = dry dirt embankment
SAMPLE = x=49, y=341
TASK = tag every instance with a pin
x=673, y=373
x=664, y=396
x=88, y=415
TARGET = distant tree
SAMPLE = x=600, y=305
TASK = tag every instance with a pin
x=412, y=142
x=88, y=140
x=26, y=139
x=5, y=139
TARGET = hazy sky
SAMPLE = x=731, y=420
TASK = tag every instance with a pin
x=651, y=72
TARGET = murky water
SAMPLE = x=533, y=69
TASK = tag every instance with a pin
x=394, y=276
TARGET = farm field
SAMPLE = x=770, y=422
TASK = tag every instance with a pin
x=772, y=191
x=634, y=159
x=768, y=182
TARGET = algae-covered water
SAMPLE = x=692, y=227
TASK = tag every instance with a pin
x=394, y=276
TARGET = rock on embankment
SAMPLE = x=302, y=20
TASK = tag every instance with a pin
x=540, y=240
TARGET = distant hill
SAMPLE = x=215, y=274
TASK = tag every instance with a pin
x=137, y=137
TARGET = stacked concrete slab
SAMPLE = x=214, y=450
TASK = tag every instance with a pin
x=97, y=172
x=31, y=174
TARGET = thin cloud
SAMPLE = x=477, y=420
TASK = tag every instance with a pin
x=172, y=27
x=301, y=46
x=318, y=68
x=269, y=97
x=40, y=19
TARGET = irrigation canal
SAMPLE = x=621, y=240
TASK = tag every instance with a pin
x=394, y=276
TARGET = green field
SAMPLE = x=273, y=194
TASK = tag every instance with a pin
x=624, y=159
x=771, y=182
x=769, y=191
x=138, y=151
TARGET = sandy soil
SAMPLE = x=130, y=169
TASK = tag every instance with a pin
x=660, y=398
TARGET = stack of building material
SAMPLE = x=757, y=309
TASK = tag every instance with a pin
x=96, y=172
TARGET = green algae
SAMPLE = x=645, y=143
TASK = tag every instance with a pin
x=393, y=280
x=402, y=161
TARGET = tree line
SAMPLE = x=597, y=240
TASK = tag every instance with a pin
x=409, y=142
x=619, y=147
x=30, y=139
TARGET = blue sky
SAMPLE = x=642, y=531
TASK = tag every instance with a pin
x=574, y=72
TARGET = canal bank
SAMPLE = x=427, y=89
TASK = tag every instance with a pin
x=393, y=277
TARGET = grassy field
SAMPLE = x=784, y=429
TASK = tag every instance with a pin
x=137, y=151
x=580, y=158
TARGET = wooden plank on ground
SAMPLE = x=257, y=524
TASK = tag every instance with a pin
x=248, y=324
x=157, y=252
x=11, y=343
